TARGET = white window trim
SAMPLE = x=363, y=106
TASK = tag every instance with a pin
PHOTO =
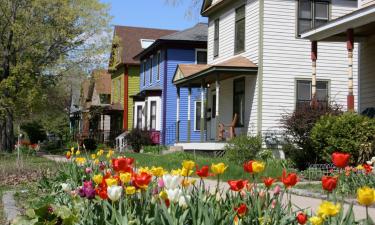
x=309, y=79
x=156, y=99
x=158, y=56
x=195, y=116
x=196, y=53
x=136, y=104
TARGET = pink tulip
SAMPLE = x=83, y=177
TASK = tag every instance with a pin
x=276, y=190
x=273, y=204
x=160, y=183
x=88, y=170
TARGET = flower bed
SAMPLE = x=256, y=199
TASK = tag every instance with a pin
x=103, y=189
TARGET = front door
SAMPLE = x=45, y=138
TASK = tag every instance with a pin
x=213, y=117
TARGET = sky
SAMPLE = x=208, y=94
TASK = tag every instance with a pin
x=153, y=14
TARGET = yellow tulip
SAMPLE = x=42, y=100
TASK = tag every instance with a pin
x=163, y=195
x=258, y=167
x=218, y=168
x=327, y=209
x=157, y=171
x=100, y=152
x=315, y=220
x=360, y=167
x=130, y=190
x=98, y=178
x=366, y=196
x=78, y=152
x=80, y=161
x=68, y=154
x=96, y=161
x=144, y=170
x=93, y=156
x=176, y=172
x=72, y=150
x=185, y=172
x=125, y=177
x=188, y=164
x=187, y=182
x=111, y=182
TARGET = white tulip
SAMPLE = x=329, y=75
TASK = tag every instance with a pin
x=66, y=187
x=172, y=181
x=114, y=192
x=174, y=194
x=182, y=202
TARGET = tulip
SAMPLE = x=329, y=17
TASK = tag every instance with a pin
x=100, y=152
x=157, y=171
x=68, y=155
x=98, y=178
x=258, y=167
x=130, y=190
x=372, y=161
x=174, y=194
x=289, y=180
x=182, y=202
x=203, y=172
x=241, y=210
x=72, y=150
x=111, y=182
x=248, y=166
x=89, y=193
x=122, y=165
x=329, y=183
x=327, y=209
x=340, y=160
x=163, y=195
x=66, y=187
x=301, y=218
x=366, y=196
x=187, y=182
x=142, y=180
x=276, y=190
x=237, y=185
x=114, y=192
x=188, y=164
x=176, y=172
x=78, y=152
x=268, y=181
x=125, y=177
x=185, y=172
x=93, y=156
x=367, y=168
x=315, y=220
x=160, y=183
x=80, y=161
x=88, y=170
x=218, y=168
x=172, y=181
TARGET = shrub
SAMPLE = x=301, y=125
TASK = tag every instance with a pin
x=138, y=138
x=298, y=126
x=154, y=149
x=90, y=144
x=243, y=148
x=35, y=131
x=350, y=132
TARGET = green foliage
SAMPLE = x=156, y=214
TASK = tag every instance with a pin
x=35, y=131
x=138, y=138
x=350, y=181
x=350, y=132
x=243, y=148
x=154, y=149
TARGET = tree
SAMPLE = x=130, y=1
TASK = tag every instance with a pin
x=41, y=40
x=193, y=8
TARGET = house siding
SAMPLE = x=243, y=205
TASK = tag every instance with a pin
x=367, y=73
x=117, y=87
x=133, y=89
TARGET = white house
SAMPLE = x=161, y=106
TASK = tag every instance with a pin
x=259, y=67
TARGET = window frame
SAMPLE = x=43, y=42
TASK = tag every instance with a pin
x=196, y=55
x=196, y=112
x=153, y=117
x=144, y=68
x=216, y=37
x=151, y=69
x=313, y=19
x=243, y=92
x=139, y=116
x=328, y=91
x=238, y=20
x=158, y=55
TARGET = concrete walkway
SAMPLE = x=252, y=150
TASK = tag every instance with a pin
x=11, y=211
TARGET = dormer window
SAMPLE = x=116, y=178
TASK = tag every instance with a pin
x=145, y=43
x=311, y=14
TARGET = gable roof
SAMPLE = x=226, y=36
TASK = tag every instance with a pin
x=197, y=34
x=102, y=81
x=130, y=40
x=210, y=6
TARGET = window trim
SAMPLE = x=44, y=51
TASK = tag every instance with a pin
x=158, y=55
x=151, y=116
x=151, y=69
x=195, y=115
x=243, y=79
x=236, y=51
x=313, y=14
x=196, y=54
x=309, y=79
x=216, y=38
x=144, y=68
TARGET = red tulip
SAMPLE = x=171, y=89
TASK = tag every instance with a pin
x=241, y=210
x=101, y=190
x=340, y=159
x=367, y=168
x=268, y=181
x=237, y=185
x=248, y=166
x=329, y=183
x=301, y=218
x=123, y=165
x=203, y=172
x=141, y=180
x=289, y=180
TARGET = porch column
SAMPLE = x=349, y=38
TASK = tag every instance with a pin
x=202, y=112
x=217, y=86
x=314, y=57
x=350, y=47
x=178, y=116
x=189, y=115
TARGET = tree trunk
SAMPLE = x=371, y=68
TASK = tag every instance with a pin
x=7, y=132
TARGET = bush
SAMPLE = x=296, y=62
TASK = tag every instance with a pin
x=34, y=131
x=138, y=138
x=350, y=132
x=243, y=148
x=154, y=149
x=298, y=126
x=90, y=144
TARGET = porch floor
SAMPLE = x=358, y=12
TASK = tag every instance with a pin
x=202, y=146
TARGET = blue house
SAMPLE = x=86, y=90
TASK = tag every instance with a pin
x=155, y=106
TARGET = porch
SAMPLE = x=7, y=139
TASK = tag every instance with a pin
x=358, y=26
x=223, y=110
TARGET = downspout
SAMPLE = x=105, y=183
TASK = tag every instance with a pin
x=165, y=86
x=260, y=68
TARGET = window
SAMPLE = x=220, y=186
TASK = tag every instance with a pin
x=145, y=43
x=105, y=98
x=153, y=115
x=304, y=91
x=197, y=124
x=239, y=101
x=311, y=14
x=240, y=30
x=144, y=73
x=118, y=90
x=213, y=112
x=151, y=65
x=139, y=117
x=158, y=66
x=201, y=56
x=216, y=38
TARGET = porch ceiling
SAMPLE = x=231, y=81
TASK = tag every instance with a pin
x=194, y=75
x=362, y=21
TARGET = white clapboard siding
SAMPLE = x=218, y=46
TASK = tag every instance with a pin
x=365, y=3
x=367, y=74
